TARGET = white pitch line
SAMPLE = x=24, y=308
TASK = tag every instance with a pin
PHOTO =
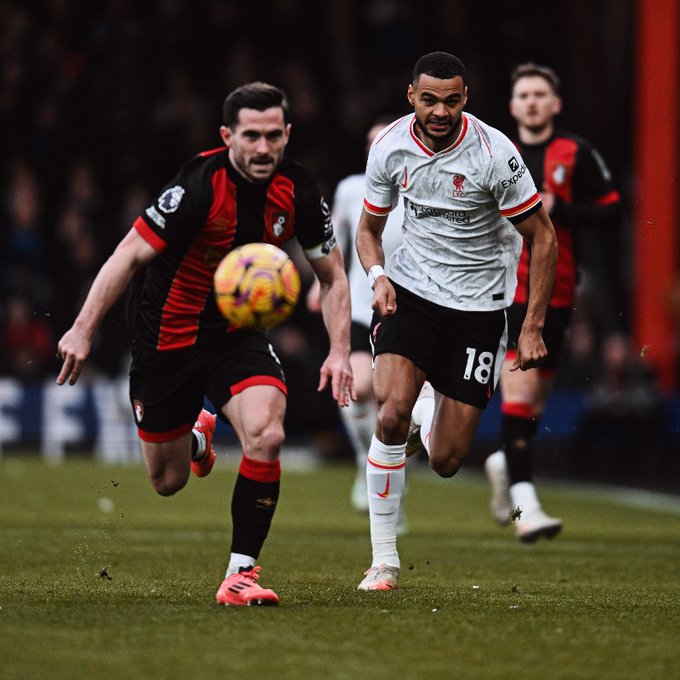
x=633, y=498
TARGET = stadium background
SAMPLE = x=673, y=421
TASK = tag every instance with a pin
x=100, y=103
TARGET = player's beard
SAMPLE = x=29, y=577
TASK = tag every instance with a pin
x=441, y=140
x=248, y=168
x=262, y=168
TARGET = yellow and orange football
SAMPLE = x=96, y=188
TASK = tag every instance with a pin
x=256, y=286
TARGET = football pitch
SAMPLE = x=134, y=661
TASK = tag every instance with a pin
x=101, y=578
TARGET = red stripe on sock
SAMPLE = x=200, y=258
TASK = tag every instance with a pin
x=260, y=470
x=382, y=466
x=517, y=409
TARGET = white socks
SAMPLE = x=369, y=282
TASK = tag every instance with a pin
x=422, y=414
x=523, y=495
x=200, y=445
x=359, y=420
x=385, y=477
x=236, y=561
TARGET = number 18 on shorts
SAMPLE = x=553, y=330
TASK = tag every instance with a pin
x=460, y=351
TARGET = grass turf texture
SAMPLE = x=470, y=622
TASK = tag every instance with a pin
x=99, y=577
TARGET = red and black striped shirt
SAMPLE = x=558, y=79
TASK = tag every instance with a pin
x=204, y=212
x=569, y=167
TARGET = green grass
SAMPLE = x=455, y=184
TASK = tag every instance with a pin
x=601, y=601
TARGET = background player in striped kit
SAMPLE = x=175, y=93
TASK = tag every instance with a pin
x=183, y=349
x=440, y=309
x=578, y=193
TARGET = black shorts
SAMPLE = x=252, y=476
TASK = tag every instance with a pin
x=360, y=337
x=167, y=388
x=461, y=352
x=554, y=332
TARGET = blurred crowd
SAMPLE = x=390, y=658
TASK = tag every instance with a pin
x=101, y=103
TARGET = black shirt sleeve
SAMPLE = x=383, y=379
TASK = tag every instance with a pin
x=595, y=202
x=182, y=205
x=314, y=228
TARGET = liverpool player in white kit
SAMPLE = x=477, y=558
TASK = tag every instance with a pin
x=440, y=304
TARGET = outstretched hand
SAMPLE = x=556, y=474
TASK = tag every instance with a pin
x=336, y=369
x=74, y=348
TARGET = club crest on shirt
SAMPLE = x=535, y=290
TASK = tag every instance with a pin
x=559, y=174
x=458, y=181
x=138, y=409
x=170, y=199
x=279, y=221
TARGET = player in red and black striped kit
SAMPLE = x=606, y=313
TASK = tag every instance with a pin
x=577, y=191
x=183, y=349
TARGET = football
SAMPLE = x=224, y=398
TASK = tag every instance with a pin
x=256, y=286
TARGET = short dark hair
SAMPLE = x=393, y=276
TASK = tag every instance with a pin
x=257, y=95
x=529, y=69
x=439, y=65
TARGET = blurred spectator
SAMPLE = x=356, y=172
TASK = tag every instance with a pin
x=27, y=340
x=627, y=386
x=22, y=238
x=623, y=414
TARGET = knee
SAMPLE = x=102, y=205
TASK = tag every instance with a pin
x=364, y=389
x=364, y=393
x=393, y=424
x=273, y=437
x=446, y=466
x=266, y=440
x=169, y=483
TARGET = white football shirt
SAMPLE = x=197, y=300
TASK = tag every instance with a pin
x=347, y=204
x=460, y=248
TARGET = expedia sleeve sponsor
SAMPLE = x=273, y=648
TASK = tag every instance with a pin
x=511, y=182
x=513, y=179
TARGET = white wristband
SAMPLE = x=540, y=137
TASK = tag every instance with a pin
x=373, y=273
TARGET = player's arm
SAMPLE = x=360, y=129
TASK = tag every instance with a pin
x=596, y=203
x=109, y=285
x=335, y=309
x=604, y=213
x=372, y=257
x=538, y=230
